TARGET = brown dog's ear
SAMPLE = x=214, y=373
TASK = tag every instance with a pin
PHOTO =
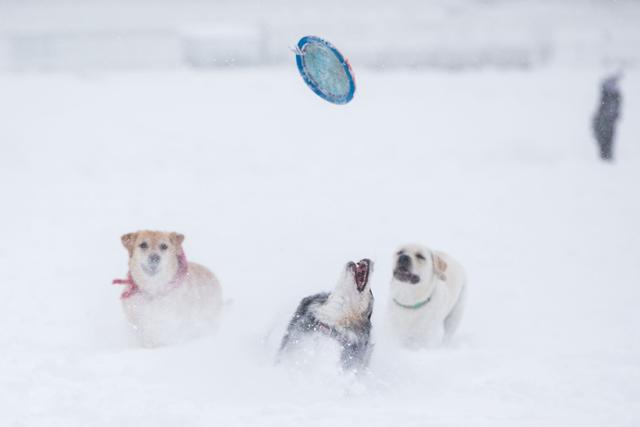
x=440, y=266
x=176, y=238
x=128, y=240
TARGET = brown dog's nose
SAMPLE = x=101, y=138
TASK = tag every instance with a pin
x=154, y=259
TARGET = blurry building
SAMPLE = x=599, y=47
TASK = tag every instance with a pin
x=119, y=34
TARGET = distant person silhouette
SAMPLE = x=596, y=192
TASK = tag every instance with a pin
x=604, y=122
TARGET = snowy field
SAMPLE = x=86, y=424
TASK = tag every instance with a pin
x=275, y=190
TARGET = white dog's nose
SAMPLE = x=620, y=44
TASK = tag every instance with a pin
x=404, y=260
x=154, y=259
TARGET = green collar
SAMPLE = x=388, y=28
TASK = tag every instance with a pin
x=413, y=306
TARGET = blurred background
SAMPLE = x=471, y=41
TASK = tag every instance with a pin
x=76, y=35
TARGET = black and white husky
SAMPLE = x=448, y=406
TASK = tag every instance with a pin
x=343, y=315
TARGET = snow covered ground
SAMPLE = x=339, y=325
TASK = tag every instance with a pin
x=275, y=190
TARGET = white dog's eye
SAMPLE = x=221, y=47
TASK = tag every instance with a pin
x=144, y=245
x=420, y=256
x=164, y=247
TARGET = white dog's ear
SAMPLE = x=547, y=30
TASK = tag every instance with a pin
x=176, y=238
x=128, y=240
x=439, y=266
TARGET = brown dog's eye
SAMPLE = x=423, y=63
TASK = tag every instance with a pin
x=164, y=247
x=420, y=256
x=144, y=245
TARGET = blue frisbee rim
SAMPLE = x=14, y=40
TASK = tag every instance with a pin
x=312, y=84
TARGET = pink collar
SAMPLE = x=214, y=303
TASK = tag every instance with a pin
x=132, y=286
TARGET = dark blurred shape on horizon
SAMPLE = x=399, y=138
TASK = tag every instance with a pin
x=604, y=121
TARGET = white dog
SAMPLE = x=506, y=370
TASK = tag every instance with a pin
x=426, y=296
x=167, y=299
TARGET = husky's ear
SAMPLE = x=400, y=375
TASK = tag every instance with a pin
x=176, y=238
x=128, y=241
x=439, y=266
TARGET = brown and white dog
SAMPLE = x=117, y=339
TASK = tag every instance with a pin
x=426, y=296
x=167, y=299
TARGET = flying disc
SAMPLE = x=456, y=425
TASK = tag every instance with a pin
x=325, y=70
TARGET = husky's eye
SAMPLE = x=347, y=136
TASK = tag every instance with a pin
x=420, y=256
x=400, y=253
x=144, y=245
x=164, y=247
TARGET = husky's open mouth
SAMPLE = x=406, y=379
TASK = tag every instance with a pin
x=361, y=273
